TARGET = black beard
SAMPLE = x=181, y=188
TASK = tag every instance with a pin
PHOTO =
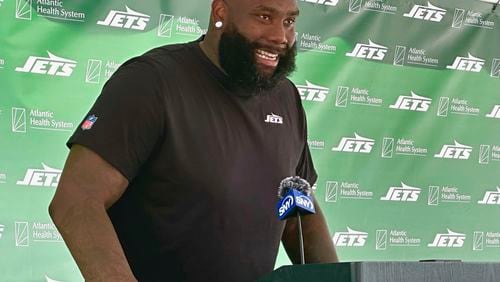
x=237, y=58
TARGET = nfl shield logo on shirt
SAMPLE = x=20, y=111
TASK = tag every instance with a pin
x=89, y=122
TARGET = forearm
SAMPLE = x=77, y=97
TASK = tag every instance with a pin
x=92, y=241
x=318, y=246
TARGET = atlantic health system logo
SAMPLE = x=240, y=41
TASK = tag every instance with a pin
x=395, y=238
x=377, y=6
x=447, y=194
x=23, y=118
x=401, y=146
x=472, y=18
x=51, y=65
x=98, y=68
x=53, y=9
x=495, y=112
x=346, y=190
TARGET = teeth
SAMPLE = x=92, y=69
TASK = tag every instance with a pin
x=266, y=55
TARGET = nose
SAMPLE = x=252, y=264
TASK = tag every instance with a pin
x=278, y=35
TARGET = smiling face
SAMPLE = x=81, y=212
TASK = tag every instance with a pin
x=257, y=46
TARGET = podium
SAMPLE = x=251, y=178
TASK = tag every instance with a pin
x=428, y=271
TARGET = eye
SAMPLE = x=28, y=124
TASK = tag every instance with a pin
x=290, y=21
x=264, y=17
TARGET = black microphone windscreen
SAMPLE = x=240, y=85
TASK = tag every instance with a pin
x=294, y=182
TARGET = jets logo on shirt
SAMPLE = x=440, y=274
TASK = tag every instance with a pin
x=470, y=64
x=412, y=103
x=371, y=51
x=272, y=118
x=51, y=65
x=129, y=19
x=426, y=13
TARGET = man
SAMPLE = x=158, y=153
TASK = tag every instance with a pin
x=173, y=175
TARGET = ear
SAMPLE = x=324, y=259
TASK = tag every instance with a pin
x=219, y=11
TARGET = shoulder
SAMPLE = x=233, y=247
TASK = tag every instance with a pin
x=156, y=63
x=292, y=87
x=292, y=92
x=168, y=58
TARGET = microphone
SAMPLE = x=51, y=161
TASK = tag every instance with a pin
x=295, y=198
x=294, y=195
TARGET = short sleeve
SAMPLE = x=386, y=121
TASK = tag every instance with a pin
x=127, y=120
x=305, y=167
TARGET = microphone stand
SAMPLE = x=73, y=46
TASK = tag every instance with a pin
x=301, y=239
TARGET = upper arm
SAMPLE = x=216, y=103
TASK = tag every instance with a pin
x=108, y=151
x=87, y=177
x=305, y=166
x=128, y=118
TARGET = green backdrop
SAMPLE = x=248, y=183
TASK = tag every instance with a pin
x=403, y=104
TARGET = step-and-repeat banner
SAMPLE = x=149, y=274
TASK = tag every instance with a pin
x=403, y=104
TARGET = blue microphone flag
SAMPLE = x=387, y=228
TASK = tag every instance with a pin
x=292, y=202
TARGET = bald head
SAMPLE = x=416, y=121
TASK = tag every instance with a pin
x=254, y=18
x=255, y=34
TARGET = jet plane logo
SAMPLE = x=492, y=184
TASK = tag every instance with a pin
x=358, y=144
x=51, y=65
x=491, y=198
x=456, y=151
x=412, y=103
x=426, y=13
x=448, y=240
x=371, y=51
x=470, y=64
x=323, y=2
x=129, y=19
x=404, y=193
x=46, y=177
x=351, y=238
x=311, y=92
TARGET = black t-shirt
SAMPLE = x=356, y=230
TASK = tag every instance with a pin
x=204, y=162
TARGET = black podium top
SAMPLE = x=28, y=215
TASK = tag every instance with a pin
x=441, y=271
